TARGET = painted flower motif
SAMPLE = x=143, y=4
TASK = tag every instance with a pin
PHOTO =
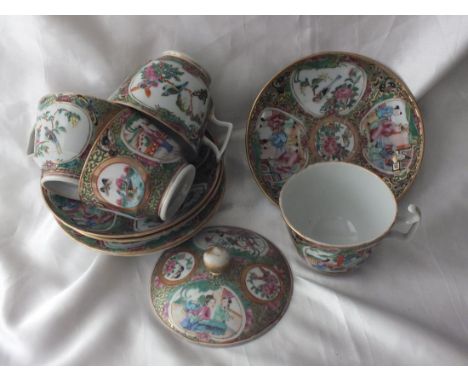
x=343, y=93
x=150, y=74
x=269, y=288
x=249, y=318
x=170, y=265
x=157, y=282
x=165, y=311
x=276, y=120
x=330, y=146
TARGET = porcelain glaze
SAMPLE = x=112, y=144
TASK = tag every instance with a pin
x=337, y=212
x=96, y=223
x=65, y=128
x=167, y=238
x=224, y=305
x=334, y=107
x=132, y=167
x=174, y=91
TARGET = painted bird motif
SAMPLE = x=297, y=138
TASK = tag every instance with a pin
x=50, y=135
x=173, y=89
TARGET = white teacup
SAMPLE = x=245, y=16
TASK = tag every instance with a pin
x=336, y=212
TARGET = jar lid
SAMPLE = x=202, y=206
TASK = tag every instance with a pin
x=225, y=286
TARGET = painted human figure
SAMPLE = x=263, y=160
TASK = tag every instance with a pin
x=153, y=139
x=280, y=141
x=174, y=270
x=390, y=130
x=197, y=314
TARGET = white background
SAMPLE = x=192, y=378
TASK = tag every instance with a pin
x=61, y=303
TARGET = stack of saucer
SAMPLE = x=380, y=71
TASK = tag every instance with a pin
x=137, y=173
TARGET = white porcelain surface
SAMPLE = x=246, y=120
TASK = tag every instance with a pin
x=338, y=203
x=62, y=132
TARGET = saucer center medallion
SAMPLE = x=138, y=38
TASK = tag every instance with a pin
x=334, y=107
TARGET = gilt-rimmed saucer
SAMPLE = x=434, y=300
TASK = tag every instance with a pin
x=166, y=239
x=105, y=225
x=335, y=106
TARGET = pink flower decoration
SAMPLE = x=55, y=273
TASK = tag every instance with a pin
x=119, y=182
x=150, y=74
x=249, y=318
x=166, y=310
x=157, y=282
x=269, y=288
x=330, y=146
x=276, y=120
x=344, y=93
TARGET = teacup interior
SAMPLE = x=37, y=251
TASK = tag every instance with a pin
x=61, y=185
x=338, y=204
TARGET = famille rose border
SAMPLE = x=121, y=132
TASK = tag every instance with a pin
x=410, y=99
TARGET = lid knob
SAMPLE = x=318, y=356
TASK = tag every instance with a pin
x=216, y=260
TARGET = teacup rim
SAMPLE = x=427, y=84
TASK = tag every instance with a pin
x=74, y=94
x=189, y=59
x=318, y=243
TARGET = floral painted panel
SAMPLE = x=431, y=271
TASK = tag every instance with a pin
x=334, y=141
x=62, y=133
x=163, y=82
x=262, y=283
x=121, y=184
x=328, y=90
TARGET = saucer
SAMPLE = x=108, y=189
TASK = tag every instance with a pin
x=225, y=286
x=335, y=106
x=166, y=239
x=102, y=224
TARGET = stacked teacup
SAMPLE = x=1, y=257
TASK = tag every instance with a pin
x=139, y=172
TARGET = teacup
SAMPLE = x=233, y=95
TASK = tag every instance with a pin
x=135, y=169
x=65, y=129
x=336, y=212
x=174, y=91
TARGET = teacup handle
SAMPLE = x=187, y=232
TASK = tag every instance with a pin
x=30, y=147
x=219, y=151
x=413, y=220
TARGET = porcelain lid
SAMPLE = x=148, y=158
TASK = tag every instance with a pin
x=225, y=286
